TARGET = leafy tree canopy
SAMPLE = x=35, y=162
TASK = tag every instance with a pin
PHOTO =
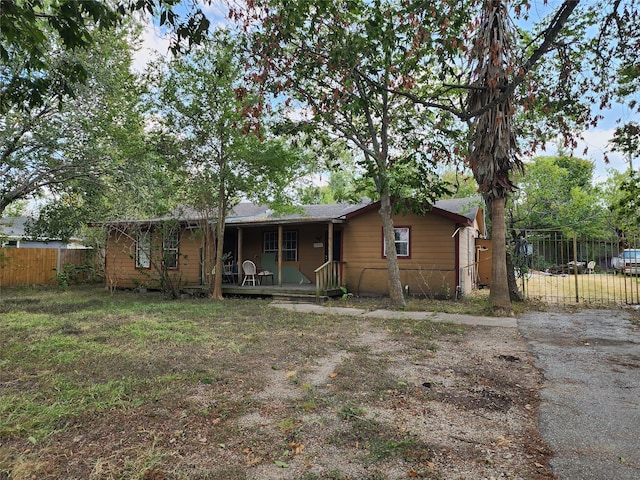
x=622, y=194
x=557, y=193
x=29, y=29
x=75, y=157
x=218, y=125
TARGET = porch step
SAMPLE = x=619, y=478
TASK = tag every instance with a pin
x=299, y=296
x=293, y=292
x=195, y=291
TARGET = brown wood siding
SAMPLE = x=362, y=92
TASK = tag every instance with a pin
x=484, y=261
x=120, y=260
x=431, y=269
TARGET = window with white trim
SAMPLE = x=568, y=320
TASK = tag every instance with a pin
x=170, y=244
x=289, y=244
x=402, y=239
x=143, y=249
x=270, y=242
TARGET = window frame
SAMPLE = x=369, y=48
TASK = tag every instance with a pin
x=173, y=250
x=396, y=228
x=286, y=252
x=289, y=237
x=271, y=242
x=143, y=249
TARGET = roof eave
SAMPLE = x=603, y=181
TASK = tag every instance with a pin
x=286, y=221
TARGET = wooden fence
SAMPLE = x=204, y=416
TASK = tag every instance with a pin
x=39, y=266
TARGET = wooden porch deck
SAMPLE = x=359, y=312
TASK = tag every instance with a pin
x=290, y=290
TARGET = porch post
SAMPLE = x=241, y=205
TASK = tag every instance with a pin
x=330, y=243
x=239, y=256
x=280, y=235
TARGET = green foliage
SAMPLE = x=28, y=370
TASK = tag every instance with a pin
x=215, y=123
x=346, y=294
x=625, y=205
x=557, y=193
x=350, y=412
x=28, y=29
x=626, y=139
x=460, y=184
x=77, y=156
x=347, y=78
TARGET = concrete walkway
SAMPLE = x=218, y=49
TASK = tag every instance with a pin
x=432, y=316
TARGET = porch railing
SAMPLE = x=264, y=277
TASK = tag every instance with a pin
x=328, y=276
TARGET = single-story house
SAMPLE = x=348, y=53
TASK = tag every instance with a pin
x=13, y=233
x=322, y=247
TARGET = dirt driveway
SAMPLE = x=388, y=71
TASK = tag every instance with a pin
x=470, y=403
x=590, y=411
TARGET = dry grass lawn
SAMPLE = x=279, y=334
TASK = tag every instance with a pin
x=134, y=386
x=605, y=289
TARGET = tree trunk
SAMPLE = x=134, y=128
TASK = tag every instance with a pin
x=216, y=291
x=499, y=298
x=514, y=291
x=395, y=285
x=209, y=253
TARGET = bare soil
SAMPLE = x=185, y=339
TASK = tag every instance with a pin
x=358, y=400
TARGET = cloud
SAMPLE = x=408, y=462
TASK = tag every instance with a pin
x=156, y=40
x=596, y=143
x=153, y=43
x=594, y=146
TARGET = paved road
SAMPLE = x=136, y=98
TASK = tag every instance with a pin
x=590, y=412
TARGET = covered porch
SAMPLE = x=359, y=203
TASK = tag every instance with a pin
x=292, y=257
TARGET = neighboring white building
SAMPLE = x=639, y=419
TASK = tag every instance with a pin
x=12, y=234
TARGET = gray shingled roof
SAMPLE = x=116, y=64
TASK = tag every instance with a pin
x=246, y=213
x=309, y=213
x=465, y=207
x=13, y=227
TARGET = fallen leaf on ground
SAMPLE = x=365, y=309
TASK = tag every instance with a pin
x=297, y=448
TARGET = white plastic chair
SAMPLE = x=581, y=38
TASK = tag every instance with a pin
x=590, y=267
x=249, y=269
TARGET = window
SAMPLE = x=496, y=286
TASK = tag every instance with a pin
x=270, y=242
x=143, y=250
x=170, y=243
x=402, y=235
x=289, y=245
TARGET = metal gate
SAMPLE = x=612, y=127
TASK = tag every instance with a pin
x=554, y=268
